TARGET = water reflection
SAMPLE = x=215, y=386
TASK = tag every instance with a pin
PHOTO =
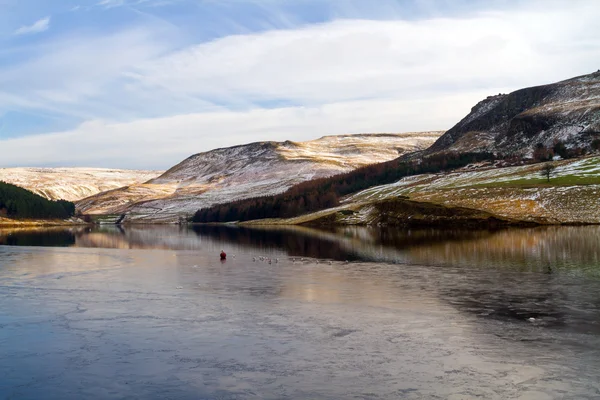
x=544, y=249
x=414, y=314
x=47, y=237
x=555, y=260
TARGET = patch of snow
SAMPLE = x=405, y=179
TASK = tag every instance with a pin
x=253, y=170
x=73, y=183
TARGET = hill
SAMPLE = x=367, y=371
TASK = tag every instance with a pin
x=486, y=197
x=72, y=184
x=532, y=124
x=516, y=124
x=252, y=170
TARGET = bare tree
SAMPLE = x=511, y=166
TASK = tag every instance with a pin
x=547, y=171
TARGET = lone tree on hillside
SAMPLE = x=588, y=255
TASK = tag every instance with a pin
x=547, y=171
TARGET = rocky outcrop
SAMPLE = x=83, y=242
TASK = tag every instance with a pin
x=513, y=124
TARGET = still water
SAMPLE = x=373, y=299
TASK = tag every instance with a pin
x=354, y=313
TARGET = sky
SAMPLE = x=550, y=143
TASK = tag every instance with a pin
x=146, y=83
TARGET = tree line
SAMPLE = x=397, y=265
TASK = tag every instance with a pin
x=16, y=202
x=320, y=194
x=546, y=153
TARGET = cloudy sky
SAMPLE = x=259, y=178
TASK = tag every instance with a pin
x=146, y=83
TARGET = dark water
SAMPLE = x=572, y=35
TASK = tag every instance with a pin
x=352, y=313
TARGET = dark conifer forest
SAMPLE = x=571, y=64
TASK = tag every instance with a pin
x=19, y=203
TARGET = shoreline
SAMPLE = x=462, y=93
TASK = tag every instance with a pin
x=37, y=223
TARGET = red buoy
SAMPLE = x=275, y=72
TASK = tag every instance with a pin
x=223, y=255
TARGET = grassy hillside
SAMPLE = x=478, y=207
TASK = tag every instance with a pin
x=514, y=194
x=320, y=194
x=19, y=203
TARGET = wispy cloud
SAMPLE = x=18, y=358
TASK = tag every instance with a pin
x=162, y=142
x=118, y=3
x=161, y=89
x=37, y=27
x=110, y=3
x=81, y=75
x=359, y=59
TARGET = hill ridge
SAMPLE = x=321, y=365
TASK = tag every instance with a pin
x=250, y=170
x=516, y=122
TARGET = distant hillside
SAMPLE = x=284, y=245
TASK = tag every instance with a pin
x=18, y=203
x=516, y=124
x=251, y=170
x=325, y=193
x=535, y=123
x=73, y=184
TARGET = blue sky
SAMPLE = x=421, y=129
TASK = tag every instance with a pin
x=146, y=83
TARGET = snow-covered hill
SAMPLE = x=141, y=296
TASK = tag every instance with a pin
x=518, y=194
x=513, y=124
x=72, y=183
x=256, y=169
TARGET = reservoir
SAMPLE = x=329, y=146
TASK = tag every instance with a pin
x=350, y=313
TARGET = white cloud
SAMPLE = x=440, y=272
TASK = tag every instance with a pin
x=37, y=27
x=339, y=77
x=370, y=59
x=162, y=142
x=82, y=75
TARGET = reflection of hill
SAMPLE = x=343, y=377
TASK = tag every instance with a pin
x=296, y=241
x=343, y=243
x=536, y=249
x=550, y=274
x=58, y=237
x=527, y=249
x=146, y=237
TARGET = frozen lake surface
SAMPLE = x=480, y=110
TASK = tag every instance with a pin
x=152, y=313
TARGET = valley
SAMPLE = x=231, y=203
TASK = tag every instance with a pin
x=486, y=170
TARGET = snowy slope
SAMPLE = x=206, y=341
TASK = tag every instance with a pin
x=72, y=183
x=571, y=196
x=256, y=169
x=513, y=124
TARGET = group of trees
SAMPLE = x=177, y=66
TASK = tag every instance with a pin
x=325, y=193
x=16, y=202
x=542, y=153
